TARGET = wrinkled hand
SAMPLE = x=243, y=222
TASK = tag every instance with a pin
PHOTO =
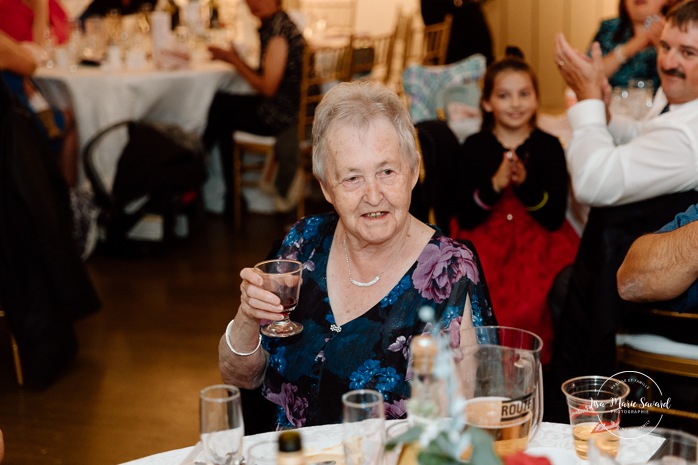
x=255, y=302
x=583, y=75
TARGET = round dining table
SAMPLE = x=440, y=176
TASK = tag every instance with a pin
x=99, y=97
x=553, y=440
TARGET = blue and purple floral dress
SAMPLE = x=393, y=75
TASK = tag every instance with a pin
x=308, y=373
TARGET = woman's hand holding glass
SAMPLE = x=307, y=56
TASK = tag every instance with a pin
x=257, y=303
x=270, y=291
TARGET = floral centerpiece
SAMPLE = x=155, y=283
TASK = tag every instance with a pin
x=438, y=434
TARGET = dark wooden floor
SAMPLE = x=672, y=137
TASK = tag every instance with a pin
x=133, y=390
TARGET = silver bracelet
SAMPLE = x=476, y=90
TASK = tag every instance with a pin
x=620, y=56
x=230, y=346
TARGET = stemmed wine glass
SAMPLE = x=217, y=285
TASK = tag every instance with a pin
x=283, y=278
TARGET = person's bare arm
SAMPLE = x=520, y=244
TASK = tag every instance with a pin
x=660, y=266
x=274, y=65
x=615, y=59
x=16, y=58
x=41, y=20
x=256, y=304
x=643, y=37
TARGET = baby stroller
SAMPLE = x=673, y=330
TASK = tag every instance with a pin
x=147, y=182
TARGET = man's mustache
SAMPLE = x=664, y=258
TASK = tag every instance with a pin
x=674, y=72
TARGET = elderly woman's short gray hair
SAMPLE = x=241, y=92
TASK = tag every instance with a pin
x=357, y=104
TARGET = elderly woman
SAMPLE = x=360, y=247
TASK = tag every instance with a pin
x=368, y=269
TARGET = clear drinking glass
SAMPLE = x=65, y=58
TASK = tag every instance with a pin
x=646, y=445
x=640, y=97
x=262, y=453
x=363, y=426
x=595, y=406
x=283, y=278
x=222, y=427
x=500, y=376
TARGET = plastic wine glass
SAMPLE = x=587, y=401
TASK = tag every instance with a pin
x=283, y=278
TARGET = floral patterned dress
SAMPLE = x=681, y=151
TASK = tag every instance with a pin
x=308, y=373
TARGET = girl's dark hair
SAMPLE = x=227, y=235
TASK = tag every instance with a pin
x=625, y=23
x=513, y=61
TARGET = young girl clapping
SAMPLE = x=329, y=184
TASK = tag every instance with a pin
x=513, y=199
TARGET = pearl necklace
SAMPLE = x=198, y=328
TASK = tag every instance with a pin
x=374, y=280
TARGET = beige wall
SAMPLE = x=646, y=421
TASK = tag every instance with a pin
x=533, y=24
x=529, y=24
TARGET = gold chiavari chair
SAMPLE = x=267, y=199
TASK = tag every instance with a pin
x=15, y=355
x=372, y=57
x=655, y=354
x=330, y=17
x=323, y=67
x=432, y=48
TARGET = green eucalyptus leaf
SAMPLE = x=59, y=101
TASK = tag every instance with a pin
x=483, y=448
x=411, y=435
x=426, y=457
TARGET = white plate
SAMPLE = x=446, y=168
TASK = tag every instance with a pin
x=556, y=456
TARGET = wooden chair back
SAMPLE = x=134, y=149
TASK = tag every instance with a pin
x=323, y=67
x=372, y=57
x=653, y=362
x=331, y=17
x=435, y=39
x=403, y=40
x=15, y=354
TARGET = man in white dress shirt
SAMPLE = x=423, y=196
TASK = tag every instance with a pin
x=625, y=160
x=636, y=175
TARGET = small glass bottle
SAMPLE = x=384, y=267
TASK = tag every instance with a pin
x=214, y=15
x=173, y=9
x=428, y=400
x=290, y=449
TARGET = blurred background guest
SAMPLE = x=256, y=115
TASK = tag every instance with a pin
x=628, y=41
x=122, y=7
x=43, y=282
x=57, y=126
x=368, y=269
x=16, y=58
x=277, y=81
x=662, y=266
x=470, y=33
x=636, y=175
x=513, y=199
x=34, y=20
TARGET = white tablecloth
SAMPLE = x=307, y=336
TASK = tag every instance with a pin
x=549, y=436
x=100, y=98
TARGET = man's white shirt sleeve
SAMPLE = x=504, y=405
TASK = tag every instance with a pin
x=629, y=160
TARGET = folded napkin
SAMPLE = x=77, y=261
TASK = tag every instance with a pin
x=171, y=59
x=334, y=453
